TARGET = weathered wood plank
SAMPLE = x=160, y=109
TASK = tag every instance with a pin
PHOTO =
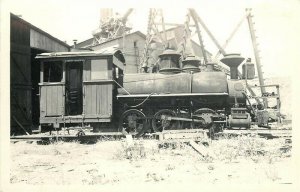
x=20, y=49
x=20, y=124
x=20, y=31
x=94, y=99
x=42, y=101
x=202, y=150
x=40, y=41
x=98, y=98
x=52, y=100
x=87, y=71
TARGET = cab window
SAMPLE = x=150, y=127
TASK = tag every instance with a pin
x=53, y=71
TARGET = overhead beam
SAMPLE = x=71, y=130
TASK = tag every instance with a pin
x=163, y=26
x=175, y=24
x=231, y=36
x=193, y=12
x=199, y=35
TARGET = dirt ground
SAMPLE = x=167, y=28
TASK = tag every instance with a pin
x=245, y=160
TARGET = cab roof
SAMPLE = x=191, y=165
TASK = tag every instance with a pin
x=103, y=52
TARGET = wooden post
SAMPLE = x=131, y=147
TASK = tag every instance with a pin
x=199, y=148
x=42, y=73
x=20, y=125
x=64, y=72
x=278, y=104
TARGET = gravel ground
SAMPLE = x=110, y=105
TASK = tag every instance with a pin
x=244, y=160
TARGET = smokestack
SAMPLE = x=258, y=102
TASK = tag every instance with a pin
x=191, y=64
x=105, y=15
x=233, y=61
x=75, y=42
x=169, y=62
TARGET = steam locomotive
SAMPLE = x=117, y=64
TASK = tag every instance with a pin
x=90, y=89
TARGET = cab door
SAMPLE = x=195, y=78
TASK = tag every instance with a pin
x=52, y=89
x=74, y=70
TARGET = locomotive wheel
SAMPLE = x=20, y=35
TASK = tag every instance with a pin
x=159, y=124
x=205, y=115
x=132, y=121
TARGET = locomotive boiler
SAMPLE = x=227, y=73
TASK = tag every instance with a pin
x=184, y=95
x=89, y=89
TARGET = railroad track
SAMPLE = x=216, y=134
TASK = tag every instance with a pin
x=185, y=134
x=267, y=133
x=86, y=138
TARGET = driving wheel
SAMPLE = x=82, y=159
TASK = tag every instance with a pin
x=161, y=122
x=132, y=121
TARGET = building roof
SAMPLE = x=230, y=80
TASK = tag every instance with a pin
x=195, y=43
x=13, y=16
x=181, y=27
x=89, y=42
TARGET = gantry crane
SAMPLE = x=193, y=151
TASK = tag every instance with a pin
x=153, y=32
x=112, y=28
x=155, y=21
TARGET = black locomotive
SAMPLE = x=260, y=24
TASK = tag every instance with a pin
x=90, y=89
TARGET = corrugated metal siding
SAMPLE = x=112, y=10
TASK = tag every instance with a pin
x=98, y=99
x=52, y=100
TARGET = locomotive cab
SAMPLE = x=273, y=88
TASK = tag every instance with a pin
x=78, y=87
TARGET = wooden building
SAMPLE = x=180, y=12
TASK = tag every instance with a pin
x=134, y=46
x=132, y=50
x=175, y=39
x=26, y=42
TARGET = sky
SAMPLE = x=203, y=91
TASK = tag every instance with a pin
x=276, y=23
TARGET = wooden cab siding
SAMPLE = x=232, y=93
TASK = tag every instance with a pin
x=97, y=98
x=97, y=87
x=75, y=119
x=52, y=99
